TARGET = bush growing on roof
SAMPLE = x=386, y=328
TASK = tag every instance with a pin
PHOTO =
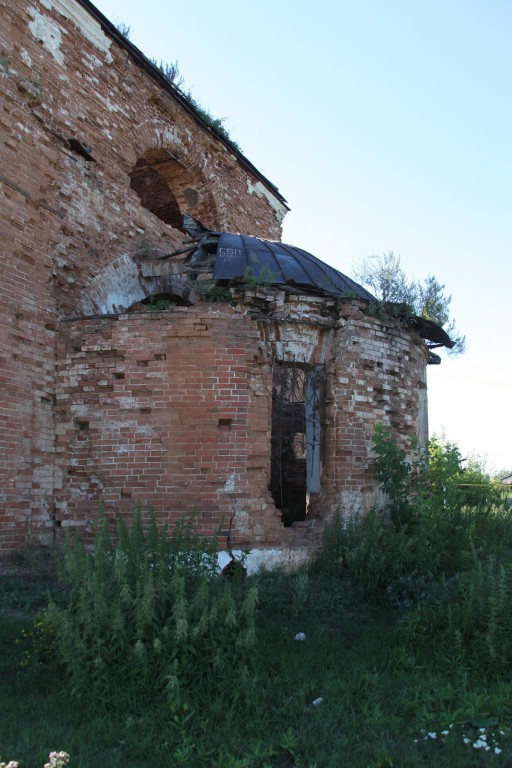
x=383, y=274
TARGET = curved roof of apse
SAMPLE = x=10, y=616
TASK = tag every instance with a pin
x=277, y=264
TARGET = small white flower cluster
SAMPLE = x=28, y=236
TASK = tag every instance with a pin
x=433, y=734
x=56, y=760
x=479, y=740
x=484, y=741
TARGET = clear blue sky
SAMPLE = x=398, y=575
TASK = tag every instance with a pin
x=387, y=125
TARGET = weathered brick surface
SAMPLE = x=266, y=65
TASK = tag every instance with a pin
x=169, y=409
x=172, y=408
x=63, y=219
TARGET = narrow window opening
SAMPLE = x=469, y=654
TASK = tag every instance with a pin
x=298, y=398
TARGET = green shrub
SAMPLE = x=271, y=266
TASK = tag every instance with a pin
x=149, y=616
x=423, y=534
x=468, y=621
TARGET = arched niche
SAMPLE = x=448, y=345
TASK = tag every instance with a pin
x=123, y=284
x=168, y=188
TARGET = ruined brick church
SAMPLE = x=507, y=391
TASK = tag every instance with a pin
x=158, y=343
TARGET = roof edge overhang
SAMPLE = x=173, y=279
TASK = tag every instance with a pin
x=233, y=258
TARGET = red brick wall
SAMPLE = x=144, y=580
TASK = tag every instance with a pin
x=169, y=409
x=64, y=219
x=173, y=409
x=378, y=377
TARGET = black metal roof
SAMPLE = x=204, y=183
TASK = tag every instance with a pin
x=240, y=256
x=231, y=257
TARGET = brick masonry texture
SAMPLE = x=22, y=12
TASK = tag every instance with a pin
x=171, y=408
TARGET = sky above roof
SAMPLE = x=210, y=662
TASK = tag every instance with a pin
x=386, y=125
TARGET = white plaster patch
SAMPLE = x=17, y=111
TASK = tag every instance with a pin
x=44, y=475
x=79, y=409
x=267, y=559
x=127, y=403
x=46, y=32
x=230, y=484
x=297, y=342
x=88, y=26
x=26, y=58
x=261, y=190
x=167, y=135
x=112, y=106
x=277, y=557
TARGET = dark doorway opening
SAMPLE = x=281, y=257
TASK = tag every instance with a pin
x=298, y=399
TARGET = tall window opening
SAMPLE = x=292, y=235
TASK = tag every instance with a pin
x=155, y=193
x=298, y=411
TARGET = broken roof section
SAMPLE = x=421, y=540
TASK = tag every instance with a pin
x=230, y=258
x=278, y=264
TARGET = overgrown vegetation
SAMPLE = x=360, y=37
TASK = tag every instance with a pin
x=157, y=305
x=171, y=72
x=397, y=296
x=147, y=616
x=393, y=649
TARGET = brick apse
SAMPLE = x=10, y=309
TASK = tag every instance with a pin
x=133, y=368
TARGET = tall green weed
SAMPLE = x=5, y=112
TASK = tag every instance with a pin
x=423, y=534
x=148, y=616
x=428, y=551
x=467, y=622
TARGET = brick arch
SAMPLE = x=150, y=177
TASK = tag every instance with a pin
x=123, y=283
x=173, y=175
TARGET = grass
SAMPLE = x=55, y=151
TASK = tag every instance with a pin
x=350, y=694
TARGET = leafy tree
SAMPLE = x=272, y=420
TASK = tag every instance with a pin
x=477, y=485
x=457, y=480
x=385, y=277
x=445, y=472
x=501, y=474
